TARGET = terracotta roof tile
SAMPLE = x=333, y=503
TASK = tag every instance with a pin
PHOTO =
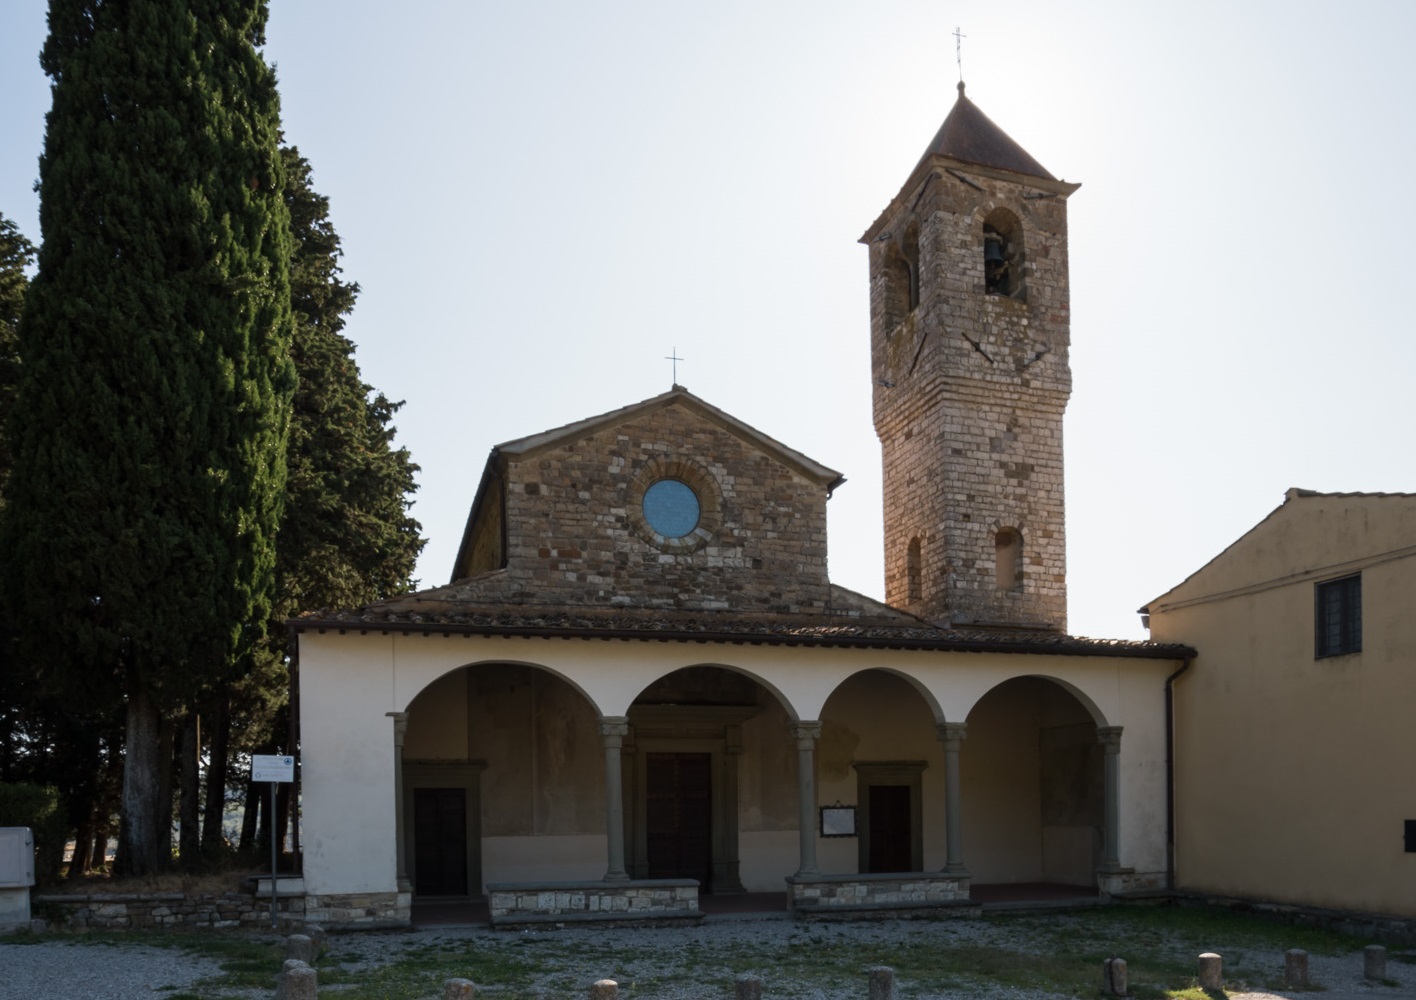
x=892, y=631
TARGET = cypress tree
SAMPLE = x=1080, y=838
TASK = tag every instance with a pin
x=16, y=253
x=153, y=406
x=347, y=538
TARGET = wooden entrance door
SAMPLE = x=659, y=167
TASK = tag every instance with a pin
x=679, y=816
x=890, y=828
x=440, y=841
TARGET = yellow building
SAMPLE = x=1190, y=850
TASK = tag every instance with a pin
x=1295, y=739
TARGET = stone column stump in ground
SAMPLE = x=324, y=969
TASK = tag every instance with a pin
x=1295, y=967
x=1211, y=971
x=882, y=983
x=604, y=989
x=1374, y=962
x=747, y=987
x=459, y=989
x=297, y=981
x=1113, y=978
x=301, y=947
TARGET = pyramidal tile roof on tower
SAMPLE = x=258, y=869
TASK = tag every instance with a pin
x=970, y=135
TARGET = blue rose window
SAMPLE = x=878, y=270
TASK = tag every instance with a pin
x=671, y=508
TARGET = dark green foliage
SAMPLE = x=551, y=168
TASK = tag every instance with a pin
x=38, y=808
x=138, y=543
x=347, y=538
x=16, y=253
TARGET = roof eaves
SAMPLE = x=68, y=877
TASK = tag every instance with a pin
x=842, y=638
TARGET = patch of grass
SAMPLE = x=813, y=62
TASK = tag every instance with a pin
x=1058, y=953
x=421, y=970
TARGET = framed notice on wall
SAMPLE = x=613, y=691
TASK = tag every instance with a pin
x=838, y=821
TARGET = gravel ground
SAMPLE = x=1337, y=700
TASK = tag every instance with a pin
x=74, y=968
x=650, y=960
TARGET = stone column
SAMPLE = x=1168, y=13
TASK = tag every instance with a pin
x=806, y=734
x=1110, y=739
x=727, y=869
x=952, y=735
x=613, y=730
x=400, y=730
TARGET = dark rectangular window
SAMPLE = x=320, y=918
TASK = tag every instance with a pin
x=1338, y=616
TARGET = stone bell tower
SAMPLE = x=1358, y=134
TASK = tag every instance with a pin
x=969, y=333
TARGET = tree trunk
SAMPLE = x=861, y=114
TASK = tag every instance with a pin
x=139, y=852
x=219, y=733
x=189, y=815
x=162, y=818
x=249, y=817
x=282, y=815
x=83, y=843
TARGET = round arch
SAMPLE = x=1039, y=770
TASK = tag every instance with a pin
x=881, y=755
x=1034, y=783
x=452, y=668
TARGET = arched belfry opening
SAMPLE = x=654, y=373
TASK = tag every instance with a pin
x=1003, y=255
x=900, y=270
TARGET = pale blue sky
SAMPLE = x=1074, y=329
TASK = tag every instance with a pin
x=541, y=200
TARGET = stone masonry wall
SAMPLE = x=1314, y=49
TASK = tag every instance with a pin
x=576, y=533
x=888, y=894
x=970, y=390
x=165, y=910
x=650, y=899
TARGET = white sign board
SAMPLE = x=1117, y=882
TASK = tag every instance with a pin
x=272, y=767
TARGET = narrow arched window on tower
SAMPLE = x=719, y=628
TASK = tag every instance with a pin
x=916, y=573
x=1008, y=558
x=909, y=250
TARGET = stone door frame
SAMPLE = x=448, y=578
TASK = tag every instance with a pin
x=464, y=774
x=712, y=729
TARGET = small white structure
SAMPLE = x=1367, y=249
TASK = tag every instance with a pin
x=16, y=877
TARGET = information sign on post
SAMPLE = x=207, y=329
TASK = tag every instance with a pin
x=273, y=768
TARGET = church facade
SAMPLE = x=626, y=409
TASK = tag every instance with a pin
x=641, y=687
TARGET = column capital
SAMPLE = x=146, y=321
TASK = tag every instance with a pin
x=1109, y=737
x=613, y=729
x=806, y=734
x=400, y=726
x=952, y=732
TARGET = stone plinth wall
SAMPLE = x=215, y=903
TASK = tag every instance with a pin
x=165, y=910
x=1130, y=882
x=360, y=910
x=639, y=901
x=856, y=895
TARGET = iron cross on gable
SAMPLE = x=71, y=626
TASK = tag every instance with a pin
x=673, y=356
